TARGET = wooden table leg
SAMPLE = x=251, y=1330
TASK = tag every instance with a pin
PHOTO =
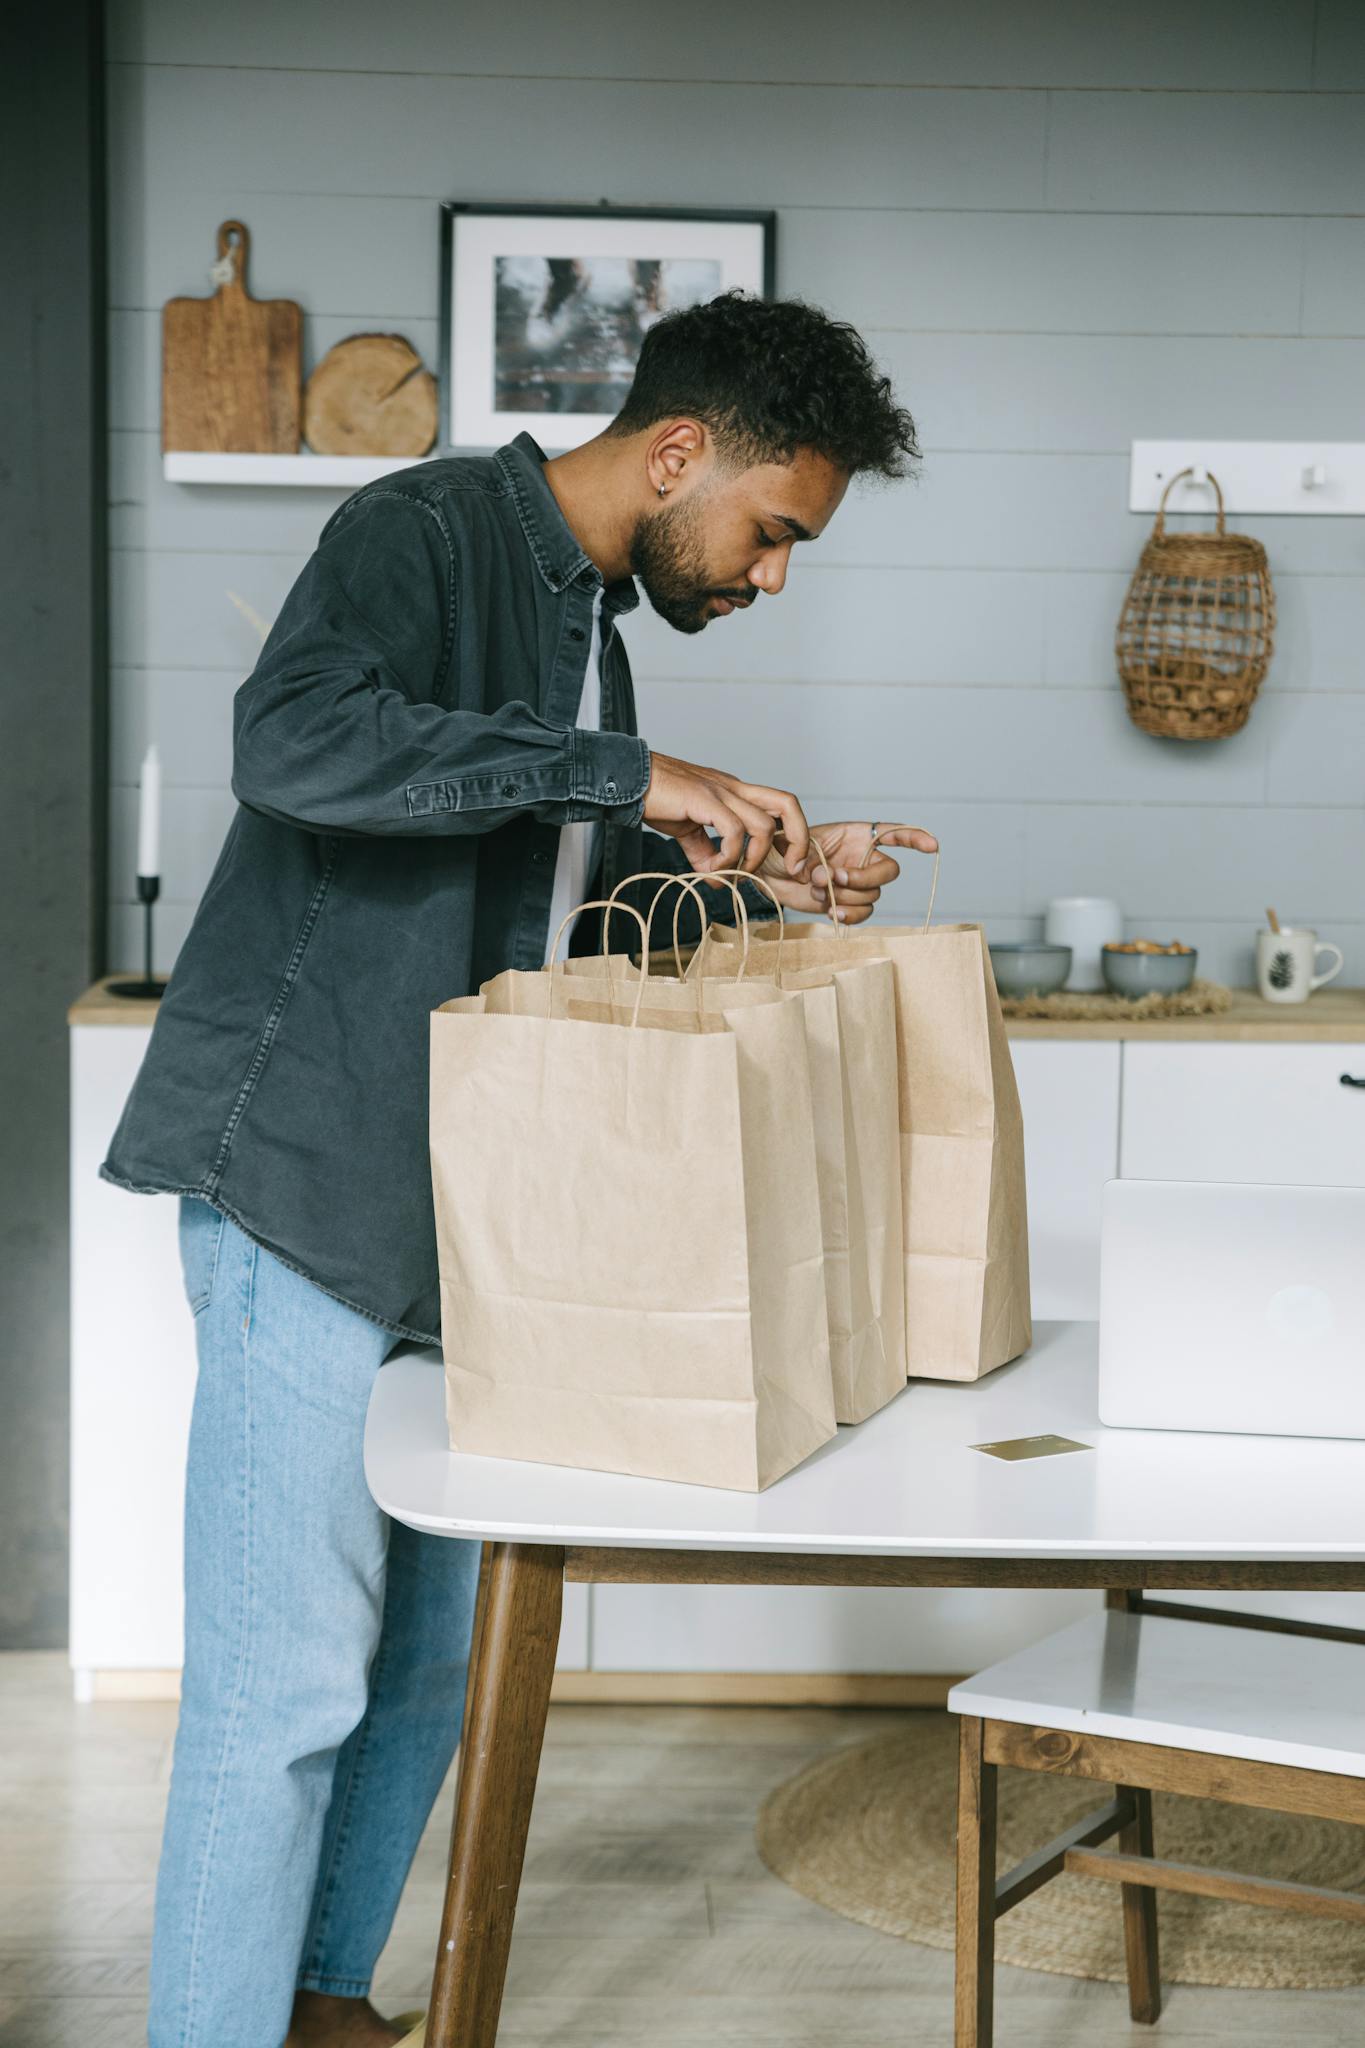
x=974, y=1987
x=1139, y=1901
x=516, y=1635
x=1139, y=1914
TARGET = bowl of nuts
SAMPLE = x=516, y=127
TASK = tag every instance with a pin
x=1144, y=967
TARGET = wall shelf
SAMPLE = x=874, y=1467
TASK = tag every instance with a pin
x=322, y=472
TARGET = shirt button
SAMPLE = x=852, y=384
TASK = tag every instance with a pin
x=540, y=857
x=511, y=789
x=611, y=789
x=577, y=633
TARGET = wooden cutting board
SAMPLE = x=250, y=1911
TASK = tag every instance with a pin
x=231, y=365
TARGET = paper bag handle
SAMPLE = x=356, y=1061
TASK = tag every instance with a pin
x=735, y=876
x=604, y=903
x=687, y=884
x=872, y=845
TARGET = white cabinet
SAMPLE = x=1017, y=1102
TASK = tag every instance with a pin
x=1276, y=1113
x=132, y=1384
x=1247, y=1112
x=1069, y=1090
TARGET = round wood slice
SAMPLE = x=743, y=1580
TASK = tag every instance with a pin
x=370, y=396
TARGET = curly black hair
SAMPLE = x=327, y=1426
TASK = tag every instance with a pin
x=769, y=376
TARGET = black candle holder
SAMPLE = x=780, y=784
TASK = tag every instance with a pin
x=149, y=988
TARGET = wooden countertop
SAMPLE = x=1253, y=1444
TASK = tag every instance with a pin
x=1332, y=1016
x=97, y=1006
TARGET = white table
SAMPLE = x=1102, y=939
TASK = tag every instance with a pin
x=901, y=1500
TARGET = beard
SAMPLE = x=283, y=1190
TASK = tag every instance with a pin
x=668, y=556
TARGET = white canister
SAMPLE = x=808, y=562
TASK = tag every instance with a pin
x=1085, y=923
x=1286, y=963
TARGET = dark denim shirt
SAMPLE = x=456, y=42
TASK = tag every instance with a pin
x=405, y=753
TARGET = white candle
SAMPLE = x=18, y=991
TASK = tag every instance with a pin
x=149, y=815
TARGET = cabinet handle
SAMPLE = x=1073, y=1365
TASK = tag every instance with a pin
x=1353, y=1081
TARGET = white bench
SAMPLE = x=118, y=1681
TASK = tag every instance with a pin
x=1143, y=1701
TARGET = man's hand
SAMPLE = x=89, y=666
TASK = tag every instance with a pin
x=687, y=803
x=858, y=879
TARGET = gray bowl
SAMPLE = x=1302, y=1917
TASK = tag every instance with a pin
x=1032, y=969
x=1145, y=974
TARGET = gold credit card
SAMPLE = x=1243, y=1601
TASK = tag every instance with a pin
x=1031, y=1447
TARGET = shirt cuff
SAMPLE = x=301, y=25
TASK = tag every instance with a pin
x=610, y=773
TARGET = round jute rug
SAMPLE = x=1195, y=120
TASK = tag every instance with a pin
x=868, y=1833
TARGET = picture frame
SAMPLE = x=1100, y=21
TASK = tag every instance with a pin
x=543, y=308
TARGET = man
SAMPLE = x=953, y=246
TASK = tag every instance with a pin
x=436, y=751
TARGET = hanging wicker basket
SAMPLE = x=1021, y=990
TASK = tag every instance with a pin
x=1197, y=630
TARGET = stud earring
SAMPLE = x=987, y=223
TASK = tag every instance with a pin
x=663, y=490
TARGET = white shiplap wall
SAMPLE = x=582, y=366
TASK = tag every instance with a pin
x=1061, y=227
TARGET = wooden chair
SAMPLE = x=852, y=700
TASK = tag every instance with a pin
x=1156, y=1698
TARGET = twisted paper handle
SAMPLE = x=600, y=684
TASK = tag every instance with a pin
x=872, y=845
x=734, y=876
x=604, y=903
x=686, y=885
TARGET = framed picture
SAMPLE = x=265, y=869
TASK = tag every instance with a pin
x=544, y=308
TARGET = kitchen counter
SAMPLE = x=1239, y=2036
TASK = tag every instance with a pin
x=1334, y=1016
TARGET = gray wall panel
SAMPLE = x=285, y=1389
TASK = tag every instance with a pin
x=1223, y=44
x=387, y=135
x=1131, y=273
x=1184, y=271
x=1334, y=286
x=1186, y=152
x=1038, y=746
x=176, y=611
x=1146, y=853
x=835, y=626
x=1317, y=752
x=1094, y=393
x=188, y=712
x=1339, y=46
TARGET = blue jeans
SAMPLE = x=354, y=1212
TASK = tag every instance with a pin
x=325, y=1657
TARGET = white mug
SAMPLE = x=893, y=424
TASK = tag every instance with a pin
x=1285, y=961
x=1085, y=923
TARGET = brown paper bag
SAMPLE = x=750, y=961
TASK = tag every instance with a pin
x=628, y=1230
x=850, y=1016
x=851, y=1041
x=961, y=1136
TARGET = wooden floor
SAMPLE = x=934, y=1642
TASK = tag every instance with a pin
x=646, y=1917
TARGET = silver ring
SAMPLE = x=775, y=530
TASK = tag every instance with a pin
x=875, y=830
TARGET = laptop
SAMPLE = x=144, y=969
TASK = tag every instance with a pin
x=1234, y=1308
